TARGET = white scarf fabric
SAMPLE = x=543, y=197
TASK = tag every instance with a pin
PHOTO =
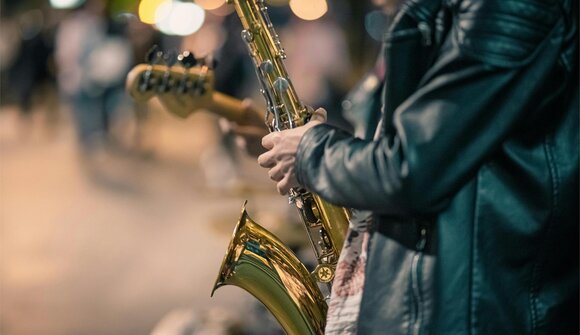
x=347, y=287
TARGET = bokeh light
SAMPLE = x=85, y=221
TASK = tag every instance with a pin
x=179, y=18
x=64, y=4
x=210, y=4
x=309, y=9
x=148, y=9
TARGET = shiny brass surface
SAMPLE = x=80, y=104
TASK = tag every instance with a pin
x=255, y=260
x=261, y=264
x=326, y=226
x=284, y=109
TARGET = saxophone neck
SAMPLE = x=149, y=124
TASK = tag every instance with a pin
x=284, y=108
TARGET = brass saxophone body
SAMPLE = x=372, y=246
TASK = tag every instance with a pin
x=261, y=264
x=256, y=260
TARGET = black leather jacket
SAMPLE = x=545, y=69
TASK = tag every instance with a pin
x=473, y=180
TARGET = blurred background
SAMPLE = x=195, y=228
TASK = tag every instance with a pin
x=115, y=215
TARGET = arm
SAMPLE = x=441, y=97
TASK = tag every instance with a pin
x=468, y=103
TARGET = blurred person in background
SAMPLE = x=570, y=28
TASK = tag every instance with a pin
x=31, y=64
x=93, y=56
x=26, y=62
x=465, y=199
x=319, y=62
x=219, y=40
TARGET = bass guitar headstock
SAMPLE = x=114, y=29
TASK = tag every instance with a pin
x=182, y=82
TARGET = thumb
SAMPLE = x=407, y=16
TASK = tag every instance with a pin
x=319, y=115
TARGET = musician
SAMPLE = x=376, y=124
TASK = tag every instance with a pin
x=471, y=179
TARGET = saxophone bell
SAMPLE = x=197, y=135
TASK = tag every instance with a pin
x=258, y=262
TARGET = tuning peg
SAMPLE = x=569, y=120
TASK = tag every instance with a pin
x=154, y=55
x=170, y=58
x=187, y=59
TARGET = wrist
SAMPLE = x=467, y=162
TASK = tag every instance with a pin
x=305, y=149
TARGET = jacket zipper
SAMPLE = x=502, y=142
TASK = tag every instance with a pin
x=416, y=275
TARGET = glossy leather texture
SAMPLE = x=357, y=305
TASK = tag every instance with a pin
x=473, y=178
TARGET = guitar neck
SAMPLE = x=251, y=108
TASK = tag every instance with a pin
x=227, y=106
x=182, y=91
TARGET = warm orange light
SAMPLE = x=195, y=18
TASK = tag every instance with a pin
x=309, y=9
x=210, y=4
x=147, y=10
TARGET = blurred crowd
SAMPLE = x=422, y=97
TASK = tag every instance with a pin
x=76, y=60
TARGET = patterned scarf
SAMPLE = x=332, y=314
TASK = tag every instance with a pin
x=347, y=287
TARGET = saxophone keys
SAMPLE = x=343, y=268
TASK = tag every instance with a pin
x=267, y=66
x=324, y=273
x=247, y=36
x=281, y=84
x=325, y=240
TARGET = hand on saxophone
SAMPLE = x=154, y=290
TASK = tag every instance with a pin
x=281, y=155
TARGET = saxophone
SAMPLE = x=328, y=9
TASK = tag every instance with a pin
x=256, y=260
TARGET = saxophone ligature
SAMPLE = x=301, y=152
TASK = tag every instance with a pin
x=256, y=260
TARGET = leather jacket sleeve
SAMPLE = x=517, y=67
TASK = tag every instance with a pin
x=469, y=101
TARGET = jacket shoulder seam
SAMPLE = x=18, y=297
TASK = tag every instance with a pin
x=474, y=40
